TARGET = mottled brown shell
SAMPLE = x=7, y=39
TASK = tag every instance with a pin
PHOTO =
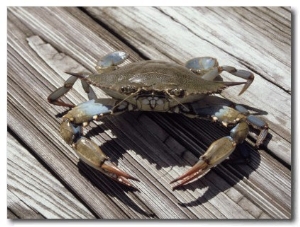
x=157, y=76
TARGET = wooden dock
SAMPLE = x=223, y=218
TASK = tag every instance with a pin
x=45, y=179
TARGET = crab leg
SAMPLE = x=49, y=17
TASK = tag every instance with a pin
x=221, y=110
x=86, y=149
x=239, y=73
x=54, y=97
x=107, y=63
x=208, y=68
x=248, y=76
x=228, y=113
x=260, y=125
x=215, y=154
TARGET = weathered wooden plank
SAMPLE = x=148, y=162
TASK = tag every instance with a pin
x=20, y=109
x=11, y=215
x=18, y=210
x=223, y=193
x=32, y=188
x=241, y=37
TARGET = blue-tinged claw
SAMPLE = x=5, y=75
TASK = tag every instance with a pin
x=87, y=150
x=206, y=67
x=217, y=152
x=90, y=110
x=69, y=132
x=91, y=154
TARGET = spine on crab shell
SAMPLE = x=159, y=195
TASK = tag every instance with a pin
x=246, y=85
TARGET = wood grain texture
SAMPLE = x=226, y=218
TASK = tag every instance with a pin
x=29, y=181
x=45, y=42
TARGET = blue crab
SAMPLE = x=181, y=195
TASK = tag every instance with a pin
x=163, y=87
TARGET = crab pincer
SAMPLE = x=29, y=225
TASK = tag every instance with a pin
x=90, y=153
x=217, y=152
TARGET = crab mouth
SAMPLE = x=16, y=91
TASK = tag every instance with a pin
x=152, y=100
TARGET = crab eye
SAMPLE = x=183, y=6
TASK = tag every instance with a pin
x=128, y=89
x=177, y=92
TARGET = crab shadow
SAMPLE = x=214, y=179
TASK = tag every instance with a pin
x=196, y=135
x=222, y=178
x=112, y=189
x=134, y=131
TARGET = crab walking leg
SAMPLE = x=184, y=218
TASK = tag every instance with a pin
x=228, y=113
x=239, y=73
x=260, y=125
x=88, y=151
x=54, y=97
x=208, y=68
x=224, y=111
x=248, y=76
x=89, y=90
x=106, y=64
x=215, y=154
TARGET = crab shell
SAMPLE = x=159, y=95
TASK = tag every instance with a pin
x=154, y=85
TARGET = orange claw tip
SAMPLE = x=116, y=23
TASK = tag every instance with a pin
x=176, y=186
x=124, y=181
x=199, y=169
x=119, y=173
x=188, y=179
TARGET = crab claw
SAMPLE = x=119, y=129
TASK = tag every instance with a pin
x=215, y=154
x=109, y=169
x=91, y=154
